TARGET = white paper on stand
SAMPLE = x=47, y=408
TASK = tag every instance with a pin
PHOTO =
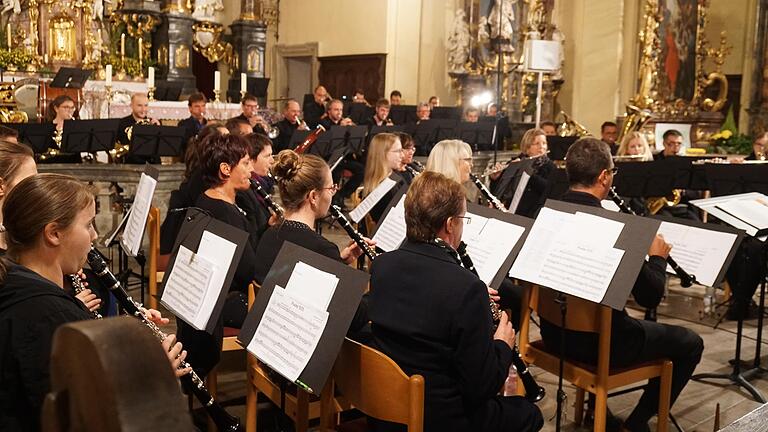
x=312, y=285
x=137, y=220
x=390, y=233
x=187, y=286
x=519, y=191
x=372, y=199
x=752, y=211
x=489, y=242
x=288, y=333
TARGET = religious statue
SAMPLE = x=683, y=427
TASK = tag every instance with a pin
x=9, y=5
x=502, y=26
x=205, y=9
x=458, y=43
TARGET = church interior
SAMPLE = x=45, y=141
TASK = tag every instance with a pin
x=612, y=156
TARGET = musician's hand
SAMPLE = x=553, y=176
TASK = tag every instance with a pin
x=83, y=277
x=346, y=121
x=303, y=126
x=659, y=247
x=494, y=294
x=176, y=355
x=155, y=122
x=155, y=316
x=497, y=170
x=505, y=332
x=89, y=299
x=352, y=252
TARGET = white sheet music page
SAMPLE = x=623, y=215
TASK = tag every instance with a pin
x=570, y=253
x=712, y=206
x=221, y=252
x=374, y=197
x=312, y=285
x=489, y=242
x=699, y=251
x=288, y=333
x=390, y=233
x=137, y=220
x=752, y=211
x=521, y=185
x=187, y=285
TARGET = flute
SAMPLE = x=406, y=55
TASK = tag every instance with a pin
x=497, y=204
x=352, y=232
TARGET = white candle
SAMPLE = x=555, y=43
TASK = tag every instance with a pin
x=45, y=58
x=216, y=80
x=122, y=44
x=109, y=75
x=8, y=34
x=141, y=50
x=243, y=83
x=150, y=77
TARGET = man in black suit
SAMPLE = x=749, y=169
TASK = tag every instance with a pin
x=590, y=172
x=288, y=125
x=609, y=132
x=315, y=109
x=381, y=115
x=431, y=316
x=672, y=140
x=351, y=163
x=196, y=119
x=139, y=108
x=250, y=106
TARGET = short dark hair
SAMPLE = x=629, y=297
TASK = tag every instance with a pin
x=233, y=124
x=383, y=102
x=257, y=143
x=192, y=153
x=248, y=97
x=196, y=97
x=671, y=132
x=227, y=149
x=547, y=123
x=585, y=160
x=6, y=132
x=406, y=140
x=431, y=199
x=395, y=93
x=608, y=124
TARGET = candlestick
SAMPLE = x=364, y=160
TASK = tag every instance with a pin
x=216, y=95
x=109, y=76
x=217, y=81
x=151, y=77
x=45, y=58
x=151, y=93
x=243, y=83
x=8, y=35
x=122, y=51
x=141, y=56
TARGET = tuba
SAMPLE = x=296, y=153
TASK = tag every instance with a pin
x=634, y=120
x=121, y=149
x=571, y=127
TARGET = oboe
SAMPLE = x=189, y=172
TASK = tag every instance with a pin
x=352, y=232
x=497, y=204
x=270, y=203
x=686, y=279
x=78, y=287
x=224, y=421
x=533, y=391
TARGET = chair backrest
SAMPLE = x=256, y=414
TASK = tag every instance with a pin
x=375, y=384
x=582, y=315
x=153, y=231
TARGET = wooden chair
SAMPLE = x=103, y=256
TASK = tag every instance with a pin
x=590, y=317
x=374, y=384
x=157, y=263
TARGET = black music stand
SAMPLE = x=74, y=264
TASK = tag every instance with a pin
x=402, y=114
x=254, y=86
x=298, y=137
x=89, y=136
x=154, y=140
x=478, y=135
x=70, y=78
x=355, y=140
x=446, y=112
x=631, y=178
x=731, y=179
x=168, y=91
x=375, y=130
x=38, y=136
x=360, y=112
x=558, y=146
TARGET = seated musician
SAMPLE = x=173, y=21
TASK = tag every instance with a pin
x=590, y=174
x=448, y=338
x=59, y=110
x=351, y=162
x=759, y=148
x=314, y=110
x=673, y=143
x=471, y=115
x=410, y=168
x=238, y=126
x=335, y=115
x=306, y=190
x=636, y=146
x=288, y=125
x=380, y=116
x=9, y=134
x=423, y=111
x=250, y=106
x=385, y=156
x=48, y=221
x=549, y=128
x=395, y=97
x=609, y=132
x=196, y=119
x=139, y=109
x=434, y=101
x=256, y=210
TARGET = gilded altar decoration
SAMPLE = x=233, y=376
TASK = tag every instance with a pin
x=62, y=38
x=162, y=55
x=207, y=41
x=181, y=57
x=254, y=60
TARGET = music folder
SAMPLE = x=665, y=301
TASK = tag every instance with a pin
x=68, y=77
x=38, y=136
x=200, y=229
x=601, y=266
x=137, y=217
x=741, y=216
x=154, y=140
x=89, y=136
x=340, y=309
x=510, y=178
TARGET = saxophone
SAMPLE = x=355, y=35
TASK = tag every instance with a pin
x=121, y=149
x=52, y=152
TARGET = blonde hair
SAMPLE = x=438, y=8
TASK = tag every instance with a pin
x=376, y=166
x=297, y=175
x=445, y=156
x=624, y=146
x=528, y=138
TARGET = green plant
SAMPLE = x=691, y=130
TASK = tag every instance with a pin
x=732, y=142
x=15, y=57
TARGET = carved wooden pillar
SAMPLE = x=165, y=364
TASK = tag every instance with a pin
x=758, y=105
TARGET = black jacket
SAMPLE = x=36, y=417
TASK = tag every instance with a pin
x=283, y=140
x=432, y=317
x=313, y=111
x=31, y=309
x=191, y=129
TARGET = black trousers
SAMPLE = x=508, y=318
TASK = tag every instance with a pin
x=652, y=341
x=507, y=413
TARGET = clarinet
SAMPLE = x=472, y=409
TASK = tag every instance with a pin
x=533, y=391
x=352, y=232
x=78, y=287
x=686, y=279
x=414, y=172
x=224, y=421
x=497, y=204
x=270, y=203
x=419, y=166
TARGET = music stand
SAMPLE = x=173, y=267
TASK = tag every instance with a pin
x=445, y=129
x=732, y=179
x=445, y=112
x=558, y=146
x=478, y=135
x=298, y=137
x=89, y=136
x=402, y=114
x=38, y=136
x=355, y=141
x=70, y=78
x=153, y=140
x=169, y=91
x=375, y=130
x=631, y=178
x=360, y=112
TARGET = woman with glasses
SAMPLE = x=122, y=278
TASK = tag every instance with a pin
x=385, y=156
x=60, y=109
x=410, y=168
x=451, y=158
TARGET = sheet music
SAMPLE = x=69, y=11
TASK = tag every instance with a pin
x=120, y=226
x=752, y=211
x=571, y=253
x=137, y=221
x=187, y=285
x=519, y=191
x=374, y=197
x=390, y=233
x=288, y=333
x=710, y=205
x=311, y=285
x=699, y=251
x=489, y=243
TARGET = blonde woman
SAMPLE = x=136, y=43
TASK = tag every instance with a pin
x=635, y=144
x=451, y=158
x=385, y=156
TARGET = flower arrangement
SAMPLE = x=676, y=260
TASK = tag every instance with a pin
x=726, y=141
x=15, y=59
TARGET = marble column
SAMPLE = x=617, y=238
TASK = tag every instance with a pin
x=249, y=39
x=173, y=42
x=758, y=105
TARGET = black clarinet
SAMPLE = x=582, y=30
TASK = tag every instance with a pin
x=352, y=232
x=224, y=421
x=686, y=279
x=270, y=203
x=497, y=204
x=533, y=391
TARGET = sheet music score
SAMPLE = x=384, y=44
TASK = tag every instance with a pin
x=312, y=285
x=374, y=197
x=752, y=211
x=390, y=233
x=187, y=287
x=713, y=207
x=288, y=333
x=219, y=253
x=137, y=220
x=570, y=253
x=519, y=191
x=699, y=251
x=489, y=243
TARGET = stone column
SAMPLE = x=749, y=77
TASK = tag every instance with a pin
x=249, y=40
x=173, y=42
x=758, y=105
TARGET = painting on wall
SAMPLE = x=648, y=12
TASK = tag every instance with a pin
x=677, y=37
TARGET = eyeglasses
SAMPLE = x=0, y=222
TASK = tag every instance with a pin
x=467, y=219
x=468, y=159
x=253, y=106
x=334, y=188
x=397, y=151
